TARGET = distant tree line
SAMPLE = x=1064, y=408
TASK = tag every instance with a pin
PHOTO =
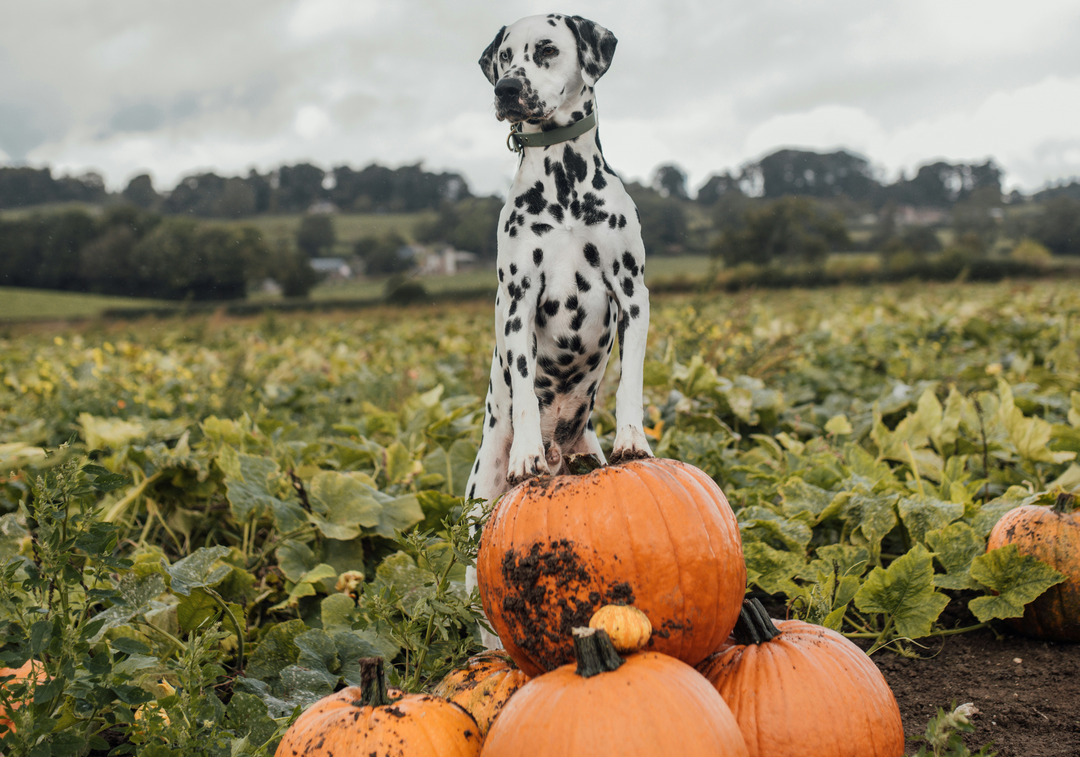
x=131, y=252
x=289, y=189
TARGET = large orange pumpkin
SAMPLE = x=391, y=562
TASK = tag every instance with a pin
x=800, y=690
x=1051, y=534
x=363, y=720
x=483, y=686
x=646, y=705
x=658, y=534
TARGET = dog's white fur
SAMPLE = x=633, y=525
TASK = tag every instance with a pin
x=570, y=262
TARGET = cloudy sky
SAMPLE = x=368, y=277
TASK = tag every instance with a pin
x=171, y=87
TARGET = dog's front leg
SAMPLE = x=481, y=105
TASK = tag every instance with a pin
x=633, y=330
x=518, y=313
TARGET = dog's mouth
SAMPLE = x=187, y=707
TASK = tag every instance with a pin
x=516, y=114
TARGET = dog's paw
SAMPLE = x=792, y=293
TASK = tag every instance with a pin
x=524, y=467
x=630, y=444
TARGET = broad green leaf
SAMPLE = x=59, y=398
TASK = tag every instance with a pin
x=248, y=715
x=1069, y=480
x=195, y=609
x=351, y=646
x=15, y=455
x=306, y=585
x=136, y=593
x=741, y=402
x=341, y=505
x=843, y=559
x=772, y=569
x=1074, y=409
x=1017, y=578
x=304, y=685
x=109, y=433
x=762, y=524
x=197, y=570
x=873, y=516
x=922, y=514
x=318, y=653
x=1029, y=435
x=250, y=481
x=399, y=463
x=276, y=650
x=839, y=425
x=295, y=559
x=398, y=515
x=945, y=431
x=336, y=612
x=797, y=496
x=400, y=571
x=990, y=512
x=905, y=592
x=955, y=546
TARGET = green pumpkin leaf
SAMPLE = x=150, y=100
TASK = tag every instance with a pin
x=797, y=496
x=905, y=592
x=250, y=482
x=771, y=569
x=197, y=570
x=922, y=514
x=276, y=650
x=1017, y=578
x=955, y=546
x=762, y=524
x=874, y=516
x=341, y=506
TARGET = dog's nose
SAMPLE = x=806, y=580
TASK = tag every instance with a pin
x=508, y=89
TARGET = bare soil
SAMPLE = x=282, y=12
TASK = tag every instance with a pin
x=1027, y=691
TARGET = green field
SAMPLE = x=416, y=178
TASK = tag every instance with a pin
x=31, y=304
x=185, y=499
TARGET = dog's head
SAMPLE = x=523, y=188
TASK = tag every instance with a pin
x=540, y=62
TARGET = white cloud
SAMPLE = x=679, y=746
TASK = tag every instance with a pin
x=311, y=121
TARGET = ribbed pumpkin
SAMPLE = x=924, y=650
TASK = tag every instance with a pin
x=800, y=690
x=628, y=627
x=658, y=534
x=1051, y=534
x=483, y=686
x=363, y=720
x=646, y=705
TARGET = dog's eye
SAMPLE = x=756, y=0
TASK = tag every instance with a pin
x=504, y=55
x=548, y=51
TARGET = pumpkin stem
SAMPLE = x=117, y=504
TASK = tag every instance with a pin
x=595, y=652
x=372, y=682
x=1064, y=503
x=754, y=625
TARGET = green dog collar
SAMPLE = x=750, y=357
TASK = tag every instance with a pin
x=518, y=140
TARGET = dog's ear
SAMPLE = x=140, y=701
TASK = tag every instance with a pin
x=488, y=61
x=596, y=47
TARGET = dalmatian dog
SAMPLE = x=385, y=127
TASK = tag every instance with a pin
x=570, y=263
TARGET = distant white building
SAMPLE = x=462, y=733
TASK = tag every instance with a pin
x=332, y=268
x=446, y=261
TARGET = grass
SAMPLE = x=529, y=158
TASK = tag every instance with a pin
x=27, y=304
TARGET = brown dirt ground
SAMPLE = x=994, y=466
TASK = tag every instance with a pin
x=1027, y=691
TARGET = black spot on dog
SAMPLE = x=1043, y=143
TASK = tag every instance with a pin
x=576, y=167
x=630, y=263
x=541, y=381
x=590, y=209
x=513, y=231
x=571, y=302
x=506, y=376
x=594, y=360
x=548, y=366
x=635, y=311
x=500, y=274
x=525, y=283
x=534, y=197
x=523, y=366
x=538, y=256
x=534, y=346
x=567, y=358
x=556, y=212
x=546, y=398
x=623, y=323
x=570, y=383
x=628, y=286
x=513, y=308
x=622, y=222
x=578, y=320
x=615, y=268
x=512, y=326
x=612, y=221
x=604, y=339
x=582, y=284
x=491, y=424
x=541, y=228
x=598, y=180
x=513, y=269
x=592, y=255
